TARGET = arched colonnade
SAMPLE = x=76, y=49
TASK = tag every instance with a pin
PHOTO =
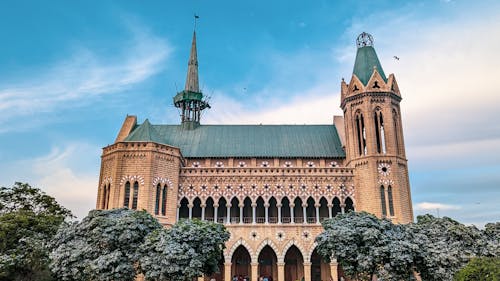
x=245, y=210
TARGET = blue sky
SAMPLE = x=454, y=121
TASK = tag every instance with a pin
x=70, y=71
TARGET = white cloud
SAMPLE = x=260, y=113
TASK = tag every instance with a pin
x=61, y=174
x=83, y=76
x=430, y=206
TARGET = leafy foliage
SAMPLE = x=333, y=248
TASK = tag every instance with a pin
x=103, y=246
x=435, y=247
x=366, y=246
x=484, y=269
x=446, y=246
x=187, y=250
x=28, y=220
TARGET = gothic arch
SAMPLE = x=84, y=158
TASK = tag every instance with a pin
x=307, y=258
x=264, y=243
x=292, y=242
x=131, y=179
x=242, y=242
x=163, y=181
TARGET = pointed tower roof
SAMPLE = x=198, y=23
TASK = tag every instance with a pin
x=145, y=132
x=192, y=84
x=366, y=59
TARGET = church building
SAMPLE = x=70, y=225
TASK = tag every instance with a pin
x=270, y=185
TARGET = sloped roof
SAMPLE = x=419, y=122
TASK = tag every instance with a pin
x=366, y=59
x=281, y=141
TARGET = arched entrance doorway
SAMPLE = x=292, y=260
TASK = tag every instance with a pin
x=320, y=270
x=268, y=266
x=240, y=263
x=294, y=264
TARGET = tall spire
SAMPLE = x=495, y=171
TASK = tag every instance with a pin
x=192, y=84
x=191, y=101
x=366, y=59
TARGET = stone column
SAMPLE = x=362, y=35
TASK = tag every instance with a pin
x=292, y=219
x=254, y=213
x=241, y=212
x=281, y=271
x=228, y=207
x=190, y=206
x=216, y=208
x=307, y=271
x=317, y=213
x=279, y=213
x=330, y=206
x=333, y=270
x=227, y=271
x=342, y=208
x=177, y=213
x=255, y=269
x=266, y=207
x=304, y=211
x=203, y=212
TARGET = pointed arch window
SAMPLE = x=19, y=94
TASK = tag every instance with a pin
x=391, y=204
x=104, y=195
x=396, y=130
x=379, y=131
x=108, y=191
x=382, y=200
x=361, y=134
x=135, y=196
x=164, y=200
x=157, y=201
x=126, y=199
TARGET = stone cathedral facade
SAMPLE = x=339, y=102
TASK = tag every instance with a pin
x=271, y=185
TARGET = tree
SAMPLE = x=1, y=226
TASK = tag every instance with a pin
x=366, y=246
x=187, y=250
x=103, y=246
x=445, y=246
x=28, y=220
x=492, y=235
x=484, y=269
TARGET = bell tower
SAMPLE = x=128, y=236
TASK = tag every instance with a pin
x=374, y=137
x=190, y=101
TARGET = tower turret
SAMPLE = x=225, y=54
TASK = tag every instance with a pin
x=191, y=101
x=374, y=136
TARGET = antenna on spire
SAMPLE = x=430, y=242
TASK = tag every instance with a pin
x=196, y=17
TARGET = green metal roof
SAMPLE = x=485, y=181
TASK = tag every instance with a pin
x=245, y=140
x=366, y=59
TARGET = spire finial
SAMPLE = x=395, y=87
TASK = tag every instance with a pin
x=196, y=17
x=364, y=39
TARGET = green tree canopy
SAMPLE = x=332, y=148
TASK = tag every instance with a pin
x=103, y=246
x=28, y=220
x=445, y=246
x=366, y=246
x=187, y=250
x=484, y=269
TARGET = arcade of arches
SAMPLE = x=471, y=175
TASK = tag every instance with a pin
x=271, y=211
x=292, y=266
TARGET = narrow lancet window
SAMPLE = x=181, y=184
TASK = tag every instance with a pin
x=108, y=191
x=365, y=151
x=382, y=200
x=396, y=133
x=157, y=201
x=391, y=204
x=358, y=134
x=126, y=200
x=164, y=200
x=377, y=131
x=136, y=194
x=382, y=134
x=104, y=196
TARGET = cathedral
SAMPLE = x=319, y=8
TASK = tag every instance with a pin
x=270, y=185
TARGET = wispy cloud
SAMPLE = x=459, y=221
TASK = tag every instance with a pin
x=430, y=206
x=83, y=76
